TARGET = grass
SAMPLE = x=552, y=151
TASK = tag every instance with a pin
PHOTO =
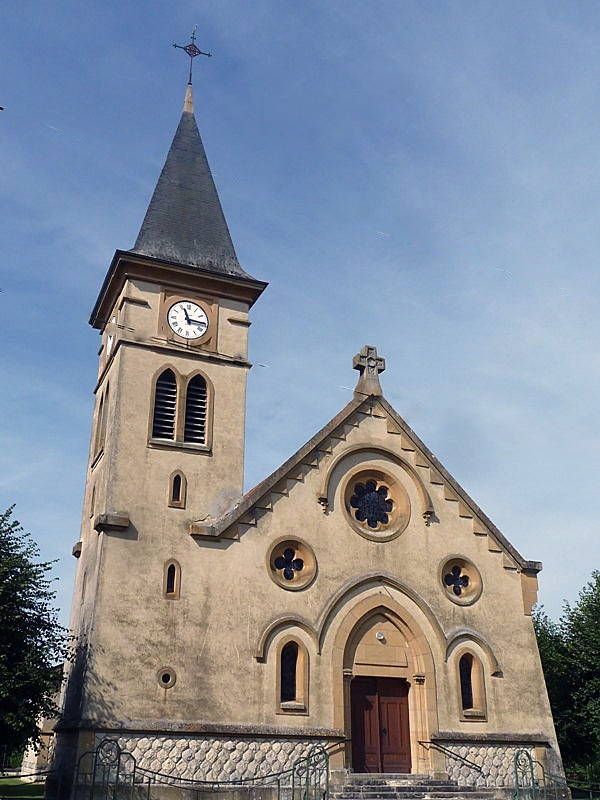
x=15, y=789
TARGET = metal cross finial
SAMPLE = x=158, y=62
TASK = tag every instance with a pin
x=192, y=50
x=369, y=364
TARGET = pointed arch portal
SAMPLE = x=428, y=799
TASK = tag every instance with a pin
x=385, y=686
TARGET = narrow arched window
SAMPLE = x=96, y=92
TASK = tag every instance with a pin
x=165, y=405
x=195, y=411
x=101, y=423
x=97, y=440
x=289, y=667
x=177, y=490
x=472, y=687
x=172, y=580
x=292, y=678
x=465, y=668
x=83, y=586
x=103, y=417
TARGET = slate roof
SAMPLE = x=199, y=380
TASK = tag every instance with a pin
x=184, y=223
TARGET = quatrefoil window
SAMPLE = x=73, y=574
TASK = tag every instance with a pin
x=460, y=580
x=455, y=581
x=289, y=564
x=371, y=503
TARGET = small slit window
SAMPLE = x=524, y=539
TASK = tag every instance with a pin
x=177, y=490
x=165, y=406
x=293, y=678
x=472, y=687
x=172, y=580
x=195, y=411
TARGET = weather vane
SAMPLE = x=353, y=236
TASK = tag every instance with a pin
x=192, y=50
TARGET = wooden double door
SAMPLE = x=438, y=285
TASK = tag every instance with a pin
x=380, y=725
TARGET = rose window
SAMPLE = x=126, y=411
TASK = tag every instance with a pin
x=371, y=503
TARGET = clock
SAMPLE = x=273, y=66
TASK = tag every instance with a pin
x=187, y=319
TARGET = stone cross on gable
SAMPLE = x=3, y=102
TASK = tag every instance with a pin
x=369, y=364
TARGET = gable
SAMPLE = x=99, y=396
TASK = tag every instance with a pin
x=369, y=431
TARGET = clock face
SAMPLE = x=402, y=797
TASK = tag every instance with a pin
x=187, y=319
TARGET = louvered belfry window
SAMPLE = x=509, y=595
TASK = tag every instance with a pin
x=195, y=411
x=165, y=403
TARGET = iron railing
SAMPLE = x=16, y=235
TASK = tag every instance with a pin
x=450, y=753
x=110, y=773
x=532, y=782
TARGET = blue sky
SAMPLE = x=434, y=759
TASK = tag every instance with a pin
x=421, y=176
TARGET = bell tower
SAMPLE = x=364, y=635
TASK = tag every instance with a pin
x=167, y=444
x=173, y=317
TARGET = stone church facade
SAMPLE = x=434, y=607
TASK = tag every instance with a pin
x=357, y=597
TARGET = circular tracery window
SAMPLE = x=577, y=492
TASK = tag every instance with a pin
x=371, y=503
x=292, y=564
x=460, y=581
x=376, y=504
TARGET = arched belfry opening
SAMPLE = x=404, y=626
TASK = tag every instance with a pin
x=385, y=694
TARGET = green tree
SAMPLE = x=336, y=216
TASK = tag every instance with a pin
x=32, y=642
x=570, y=653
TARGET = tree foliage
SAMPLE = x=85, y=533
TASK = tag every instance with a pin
x=570, y=653
x=32, y=642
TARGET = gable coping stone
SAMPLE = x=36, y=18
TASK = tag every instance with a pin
x=320, y=445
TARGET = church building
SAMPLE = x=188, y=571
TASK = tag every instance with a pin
x=357, y=598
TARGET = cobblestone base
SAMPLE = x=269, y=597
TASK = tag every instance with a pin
x=496, y=762
x=213, y=758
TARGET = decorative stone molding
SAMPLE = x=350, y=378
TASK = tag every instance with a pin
x=376, y=452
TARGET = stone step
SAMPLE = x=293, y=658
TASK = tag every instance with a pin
x=365, y=787
x=382, y=777
x=384, y=791
x=421, y=793
x=376, y=786
x=404, y=792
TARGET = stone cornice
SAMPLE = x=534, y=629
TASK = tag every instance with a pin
x=167, y=727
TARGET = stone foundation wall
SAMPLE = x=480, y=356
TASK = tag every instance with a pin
x=496, y=762
x=213, y=758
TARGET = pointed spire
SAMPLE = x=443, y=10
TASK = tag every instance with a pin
x=184, y=222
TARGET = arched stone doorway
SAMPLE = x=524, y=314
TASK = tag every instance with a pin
x=385, y=695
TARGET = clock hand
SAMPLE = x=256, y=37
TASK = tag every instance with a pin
x=196, y=321
x=187, y=317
